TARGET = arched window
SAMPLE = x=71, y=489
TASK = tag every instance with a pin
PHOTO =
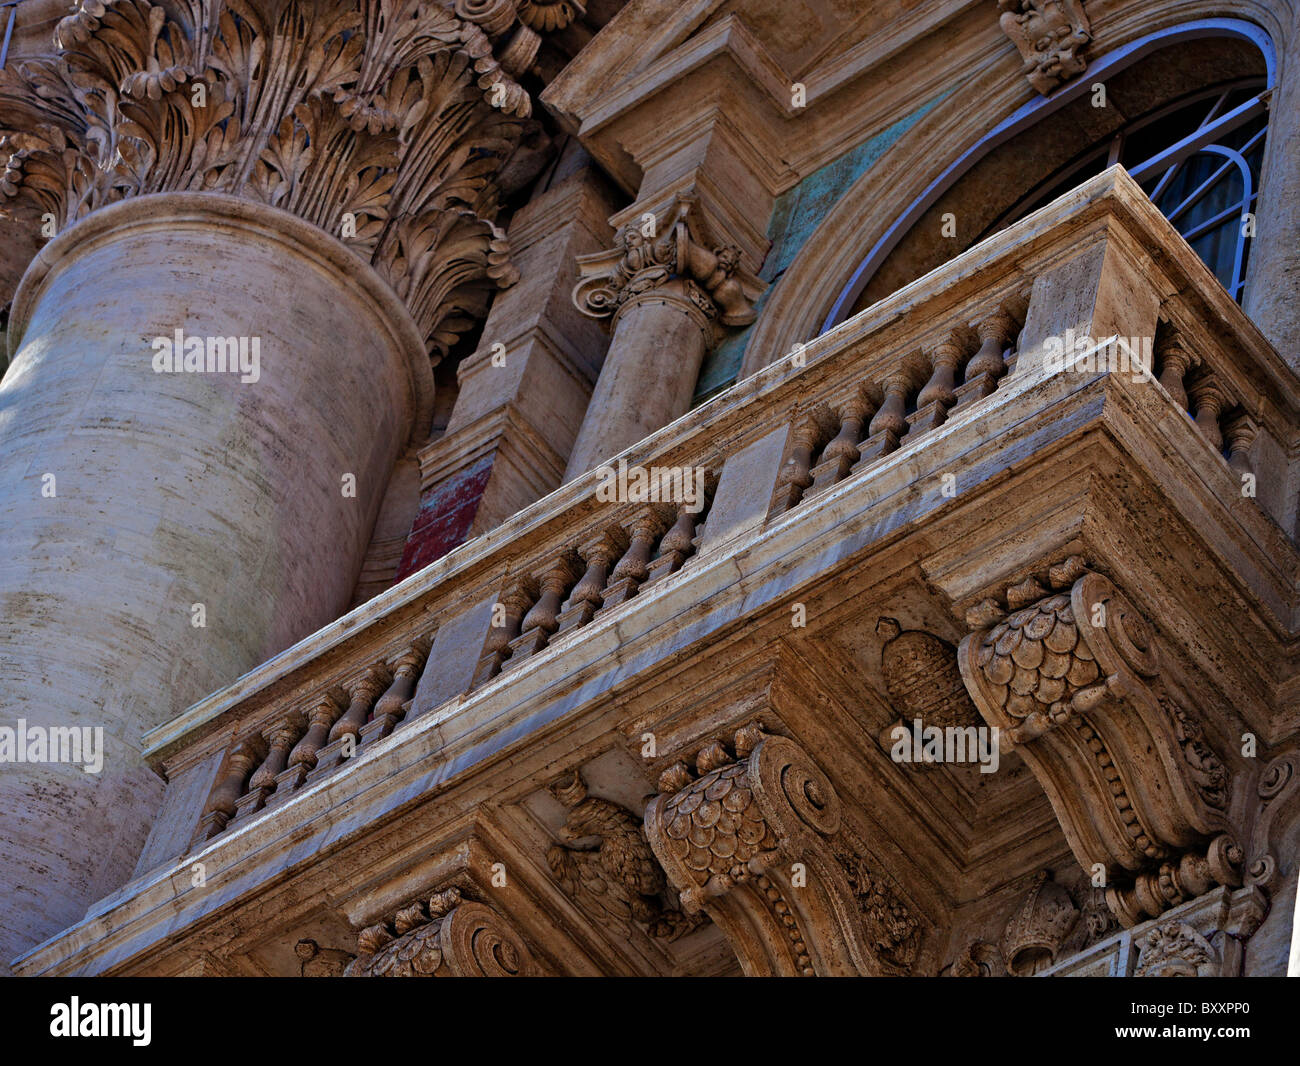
x=1184, y=111
x=1198, y=158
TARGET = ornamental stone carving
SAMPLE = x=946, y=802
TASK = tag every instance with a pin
x=604, y=863
x=921, y=676
x=447, y=936
x=1035, y=934
x=675, y=258
x=1051, y=36
x=1175, y=949
x=1072, y=677
x=390, y=124
x=755, y=838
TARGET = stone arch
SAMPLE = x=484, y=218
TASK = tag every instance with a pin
x=858, y=234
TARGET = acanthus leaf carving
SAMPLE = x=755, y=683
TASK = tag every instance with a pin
x=604, y=862
x=386, y=123
x=680, y=257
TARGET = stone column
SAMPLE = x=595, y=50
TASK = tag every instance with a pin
x=1274, y=271
x=659, y=342
x=196, y=521
x=167, y=531
x=669, y=288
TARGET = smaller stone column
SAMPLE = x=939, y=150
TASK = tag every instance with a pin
x=669, y=290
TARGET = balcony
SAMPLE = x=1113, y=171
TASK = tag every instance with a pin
x=891, y=475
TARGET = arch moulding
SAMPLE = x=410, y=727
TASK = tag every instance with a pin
x=839, y=257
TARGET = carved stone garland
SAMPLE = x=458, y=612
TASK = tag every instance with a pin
x=757, y=841
x=387, y=123
x=1072, y=679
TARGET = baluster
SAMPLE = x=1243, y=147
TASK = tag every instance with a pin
x=1241, y=433
x=889, y=422
x=795, y=475
x=391, y=706
x=345, y=733
x=1209, y=400
x=599, y=554
x=676, y=547
x=632, y=569
x=516, y=600
x=302, y=759
x=221, y=805
x=1175, y=362
x=840, y=454
x=939, y=392
x=555, y=580
x=987, y=365
x=279, y=737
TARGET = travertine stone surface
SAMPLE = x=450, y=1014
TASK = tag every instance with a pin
x=1274, y=275
x=170, y=490
x=648, y=378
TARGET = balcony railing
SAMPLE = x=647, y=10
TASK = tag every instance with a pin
x=936, y=353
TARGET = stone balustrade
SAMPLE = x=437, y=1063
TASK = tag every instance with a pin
x=936, y=357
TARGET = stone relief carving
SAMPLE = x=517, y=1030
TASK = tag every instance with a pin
x=1052, y=922
x=923, y=681
x=1051, y=36
x=680, y=260
x=755, y=838
x=1072, y=677
x=1037, y=931
x=316, y=961
x=1174, y=949
x=604, y=863
x=390, y=124
x=447, y=936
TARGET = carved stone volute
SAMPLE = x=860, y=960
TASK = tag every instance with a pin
x=1072, y=677
x=676, y=258
x=757, y=839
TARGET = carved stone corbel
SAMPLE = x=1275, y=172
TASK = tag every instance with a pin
x=1072, y=679
x=448, y=936
x=756, y=840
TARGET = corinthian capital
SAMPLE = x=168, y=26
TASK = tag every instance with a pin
x=391, y=124
x=1071, y=675
x=679, y=256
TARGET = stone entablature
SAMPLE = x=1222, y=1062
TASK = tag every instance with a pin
x=799, y=506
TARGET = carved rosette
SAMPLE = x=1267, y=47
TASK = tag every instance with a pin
x=1050, y=36
x=390, y=124
x=1072, y=679
x=677, y=258
x=756, y=841
x=446, y=937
